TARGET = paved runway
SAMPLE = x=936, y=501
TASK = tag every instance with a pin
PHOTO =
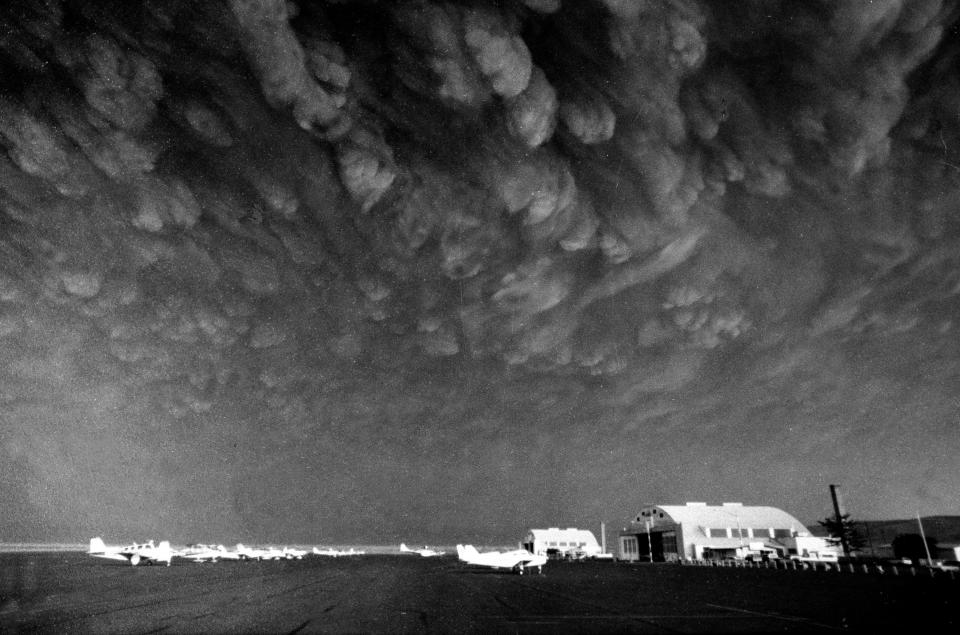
x=71, y=592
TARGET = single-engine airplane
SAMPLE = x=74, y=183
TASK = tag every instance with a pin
x=251, y=553
x=208, y=553
x=517, y=560
x=290, y=553
x=272, y=553
x=135, y=553
x=426, y=552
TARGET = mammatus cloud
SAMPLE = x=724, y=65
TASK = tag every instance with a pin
x=295, y=232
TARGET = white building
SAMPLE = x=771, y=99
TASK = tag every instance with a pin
x=562, y=543
x=697, y=531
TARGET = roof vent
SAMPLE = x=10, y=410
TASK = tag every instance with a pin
x=689, y=504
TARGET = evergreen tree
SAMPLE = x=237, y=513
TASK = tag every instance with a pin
x=843, y=531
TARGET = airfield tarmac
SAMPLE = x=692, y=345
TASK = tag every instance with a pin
x=71, y=592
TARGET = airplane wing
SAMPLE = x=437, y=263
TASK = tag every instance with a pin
x=110, y=556
x=200, y=557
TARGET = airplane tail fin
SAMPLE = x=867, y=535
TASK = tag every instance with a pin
x=404, y=547
x=97, y=546
x=465, y=552
x=166, y=553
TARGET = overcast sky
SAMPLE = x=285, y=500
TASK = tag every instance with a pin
x=356, y=271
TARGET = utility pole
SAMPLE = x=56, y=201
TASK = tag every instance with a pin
x=838, y=513
x=649, y=542
x=923, y=537
x=739, y=531
x=866, y=526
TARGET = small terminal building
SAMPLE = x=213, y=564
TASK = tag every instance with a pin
x=569, y=543
x=697, y=531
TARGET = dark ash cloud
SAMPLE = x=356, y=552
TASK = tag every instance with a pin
x=316, y=260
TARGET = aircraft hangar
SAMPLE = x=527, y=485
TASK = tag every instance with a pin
x=698, y=531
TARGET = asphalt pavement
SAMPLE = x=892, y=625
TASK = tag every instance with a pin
x=72, y=592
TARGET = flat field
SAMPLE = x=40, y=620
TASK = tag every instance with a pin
x=72, y=592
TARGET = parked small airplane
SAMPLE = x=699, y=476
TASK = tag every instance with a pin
x=426, y=552
x=228, y=555
x=207, y=553
x=272, y=553
x=135, y=553
x=249, y=553
x=290, y=553
x=517, y=560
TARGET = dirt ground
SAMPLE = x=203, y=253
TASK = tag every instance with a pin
x=72, y=592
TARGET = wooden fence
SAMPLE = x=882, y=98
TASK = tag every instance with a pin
x=865, y=568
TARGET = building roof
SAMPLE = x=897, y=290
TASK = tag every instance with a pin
x=570, y=534
x=694, y=515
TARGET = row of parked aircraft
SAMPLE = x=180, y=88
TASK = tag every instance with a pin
x=213, y=553
x=518, y=560
x=151, y=553
x=338, y=552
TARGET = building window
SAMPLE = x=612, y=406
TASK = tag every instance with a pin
x=717, y=533
x=763, y=532
x=782, y=533
x=669, y=542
